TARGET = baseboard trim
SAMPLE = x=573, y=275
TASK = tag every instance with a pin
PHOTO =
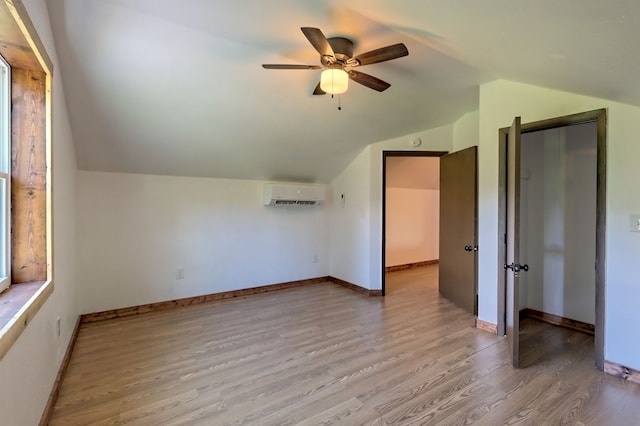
x=622, y=372
x=195, y=300
x=411, y=265
x=558, y=320
x=486, y=326
x=355, y=287
x=62, y=371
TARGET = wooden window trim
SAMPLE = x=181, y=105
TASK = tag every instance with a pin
x=32, y=258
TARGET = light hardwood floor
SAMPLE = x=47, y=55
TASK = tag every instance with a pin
x=323, y=354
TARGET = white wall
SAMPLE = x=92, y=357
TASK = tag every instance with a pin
x=135, y=231
x=558, y=221
x=356, y=231
x=465, y=131
x=350, y=218
x=412, y=227
x=29, y=368
x=412, y=209
x=500, y=101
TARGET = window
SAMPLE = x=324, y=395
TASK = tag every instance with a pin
x=25, y=107
x=5, y=174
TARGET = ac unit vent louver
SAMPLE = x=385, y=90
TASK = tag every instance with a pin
x=290, y=195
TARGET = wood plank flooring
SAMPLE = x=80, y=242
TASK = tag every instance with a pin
x=325, y=355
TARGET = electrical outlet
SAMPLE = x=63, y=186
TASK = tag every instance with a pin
x=634, y=223
x=180, y=273
x=315, y=258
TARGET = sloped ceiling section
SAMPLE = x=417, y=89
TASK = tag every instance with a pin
x=176, y=87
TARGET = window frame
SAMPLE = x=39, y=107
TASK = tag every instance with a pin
x=31, y=259
x=5, y=174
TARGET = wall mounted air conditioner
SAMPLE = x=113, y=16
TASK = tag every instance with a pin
x=284, y=194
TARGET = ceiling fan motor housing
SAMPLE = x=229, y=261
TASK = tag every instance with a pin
x=342, y=48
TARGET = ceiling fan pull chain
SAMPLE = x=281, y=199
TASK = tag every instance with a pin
x=339, y=101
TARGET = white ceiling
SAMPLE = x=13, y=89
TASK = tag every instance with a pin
x=177, y=88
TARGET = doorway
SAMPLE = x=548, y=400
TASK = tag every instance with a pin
x=409, y=221
x=456, y=223
x=552, y=217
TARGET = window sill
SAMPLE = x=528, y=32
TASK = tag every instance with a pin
x=18, y=305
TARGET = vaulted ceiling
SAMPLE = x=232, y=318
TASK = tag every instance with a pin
x=177, y=88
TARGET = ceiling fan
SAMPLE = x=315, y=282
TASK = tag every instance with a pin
x=338, y=62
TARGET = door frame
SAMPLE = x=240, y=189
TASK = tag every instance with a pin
x=598, y=116
x=385, y=155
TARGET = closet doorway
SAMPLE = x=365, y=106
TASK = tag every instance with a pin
x=554, y=213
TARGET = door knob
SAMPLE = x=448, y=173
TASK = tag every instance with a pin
x=515, y=267
x=468, y=248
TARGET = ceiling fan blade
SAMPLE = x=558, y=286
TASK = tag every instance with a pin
x=383, y=54
x=319, y=91
x=369, y=81
x=319, y=41
x=290, y=67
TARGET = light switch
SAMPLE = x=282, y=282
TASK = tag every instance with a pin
x=634, y=223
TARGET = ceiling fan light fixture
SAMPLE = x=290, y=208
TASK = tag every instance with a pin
x=334, y=81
